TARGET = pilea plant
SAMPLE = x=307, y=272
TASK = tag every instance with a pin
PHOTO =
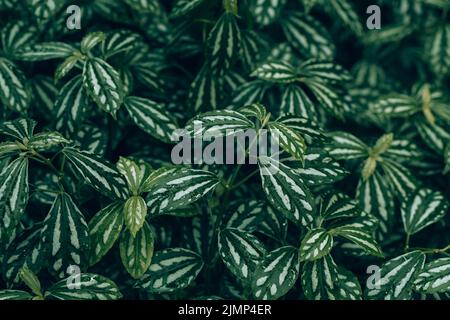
x=353, y=205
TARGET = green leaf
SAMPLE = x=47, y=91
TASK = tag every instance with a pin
x=308, y=36
x=43, y=10
x=325, y=72
x=223, y=43
x=423, y=208
x=439, y=50
x=247, y=215
x=91, y=40
x=322, y=279
x=104, y=230
x=119, y=41
x=345, y=11
x=316, y=244
x=296, y=102
x=147, y=74
x=327, y=97
x=290, y=140
x=171, y=269
x=241, y=252
x=24, y=251
x=31, y=280
x=396, y=277
x=250, y=92
x=151, y=117
x=14, y=91
x=434, y=277
x=70, y=105
x=266, y=12
x=396, y=105
x=277, y=72
x=135, y=211
x=376, y=198
x=179, y=187
x=306, y=127
x=45, y=141
x=143, y=5
x=136, y=251
x=9, y=294
x=132, y=173
x=359, y=234
x=277, y=274
x=44, y=51
x=447, y=159
x=218, y=123
x=434, y=135
x=320, y=168
x=97, y=172
x=400, y=178
x=66, y=66
x=17, y=34
x=86, y=286
x=286, y=191
x=336, y=205
x=206, y=90
x=256, y=110
x=346, y=146
x=22, y=129
x=13, y=195
x=65, y=235
x=8, y=149
x=183, y=7
x=102, y=83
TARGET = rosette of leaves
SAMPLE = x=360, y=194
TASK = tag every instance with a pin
x=91, y=200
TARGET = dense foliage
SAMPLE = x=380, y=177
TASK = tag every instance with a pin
x=356, y=208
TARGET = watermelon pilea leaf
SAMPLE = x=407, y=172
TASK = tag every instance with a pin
x=228, y=149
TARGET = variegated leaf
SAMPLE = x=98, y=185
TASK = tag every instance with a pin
x=86, y=286
x=434, y=277
x=104, y=230
x=14, y=91
x=241, y=252
x=223, y=43
x=277, y=274
x=65, y=236
x=97, y=172
x=136, y=251
x=375, y=197
x=358, y=232
x=346, y=146
x=179, y=187
x=423, y=208
x=316, y=244
x=322, y=279
x=103, y=84
x=218, y=123
x=396, y=277
x=44, y=51
x=286, y=191
x=171, y=269
x=277, y=72
x=10, y=294
x=151, y=117
x=308, y=36
x=290, y=140
x=71, y=103
x=13, y=196
x=135, y=211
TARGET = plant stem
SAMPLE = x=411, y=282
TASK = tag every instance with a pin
x=408, y=238
x=245, y=179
